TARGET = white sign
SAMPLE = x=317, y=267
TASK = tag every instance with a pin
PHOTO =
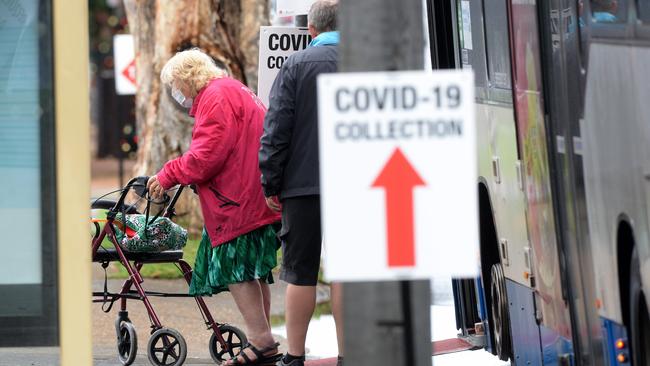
x=276, y=45
x=398, y=175
x=124, y=61
x=293, y=7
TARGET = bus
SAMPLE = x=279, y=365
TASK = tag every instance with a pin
x=563, y=122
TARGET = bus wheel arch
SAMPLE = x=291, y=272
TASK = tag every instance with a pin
x=491, y=264
x=633, y=300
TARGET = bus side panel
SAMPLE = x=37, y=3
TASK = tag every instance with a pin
x=497, y=140
x=615, y=138
x=555, y=347
x=525, y=331
x=617, y=161
x=640, y=60
x=507, y=197
x=532, y=143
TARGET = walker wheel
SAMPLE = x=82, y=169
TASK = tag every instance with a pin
x=167, y=348
x=235, y=340
x=127, y=343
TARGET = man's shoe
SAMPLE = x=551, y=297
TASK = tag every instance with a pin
x=295, y=362
x=339, y=361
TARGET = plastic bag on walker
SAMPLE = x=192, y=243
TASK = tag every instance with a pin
x=157, y=235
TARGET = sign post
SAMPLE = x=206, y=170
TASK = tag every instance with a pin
x=278, y=43
x=386, y=322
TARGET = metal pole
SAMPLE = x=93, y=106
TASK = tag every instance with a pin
x=385, y=323
x=121, y=117
x=120, y=167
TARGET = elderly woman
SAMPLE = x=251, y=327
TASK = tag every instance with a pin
x=238, y=249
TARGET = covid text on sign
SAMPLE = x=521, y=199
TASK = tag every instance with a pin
x=391, y=98
x=276, y=45
x=398, y=174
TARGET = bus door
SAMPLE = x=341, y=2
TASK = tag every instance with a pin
x=549, y=287
x=562, y=28
x=505, y=291
x=444, y=54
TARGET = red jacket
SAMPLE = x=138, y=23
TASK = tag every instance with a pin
x=222, y=160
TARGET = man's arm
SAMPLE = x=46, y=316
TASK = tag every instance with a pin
x=278, y=128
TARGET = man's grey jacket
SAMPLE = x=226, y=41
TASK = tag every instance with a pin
x=289, y=152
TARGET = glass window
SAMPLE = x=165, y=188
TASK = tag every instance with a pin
x=27, y=272
x=643, y=7
x=609, y=11
x=498, y=44
x=472, y=42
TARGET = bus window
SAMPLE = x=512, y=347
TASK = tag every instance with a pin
x=498, y=44
x=609, y=11
x=472, y=42
x=580, y=28
x=644, y=10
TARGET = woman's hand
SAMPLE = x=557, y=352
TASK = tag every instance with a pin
x=155, y=189
x=273, y=203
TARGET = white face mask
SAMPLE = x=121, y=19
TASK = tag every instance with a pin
x=180, y=98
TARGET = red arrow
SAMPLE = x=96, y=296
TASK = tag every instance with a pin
x=399, y=178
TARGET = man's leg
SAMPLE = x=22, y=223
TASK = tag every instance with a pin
x=337, y=311
x=300, y=304
x=301, y=248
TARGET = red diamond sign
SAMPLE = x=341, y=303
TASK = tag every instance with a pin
x=129, y=72
x=124, y=63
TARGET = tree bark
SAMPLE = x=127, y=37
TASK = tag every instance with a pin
x=228, y=30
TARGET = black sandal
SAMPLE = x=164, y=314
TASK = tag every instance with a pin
x=259, y=353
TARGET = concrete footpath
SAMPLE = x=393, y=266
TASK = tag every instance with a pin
x=442, y=317
x=181, y=314
x=49, y=356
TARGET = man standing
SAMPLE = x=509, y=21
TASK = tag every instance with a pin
x=290, y=174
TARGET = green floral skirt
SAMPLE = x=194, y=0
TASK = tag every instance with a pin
x=251, y=256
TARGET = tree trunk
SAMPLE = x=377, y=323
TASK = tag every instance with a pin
x=228, y=30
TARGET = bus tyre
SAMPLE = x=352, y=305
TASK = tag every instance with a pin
x=500, y=315
x=639, y=318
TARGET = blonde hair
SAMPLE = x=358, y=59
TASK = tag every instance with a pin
x=193, y=68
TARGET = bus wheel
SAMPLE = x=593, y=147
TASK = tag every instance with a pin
x=500, y=315
x=639, y=318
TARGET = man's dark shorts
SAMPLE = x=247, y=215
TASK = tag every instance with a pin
x=301, y=240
